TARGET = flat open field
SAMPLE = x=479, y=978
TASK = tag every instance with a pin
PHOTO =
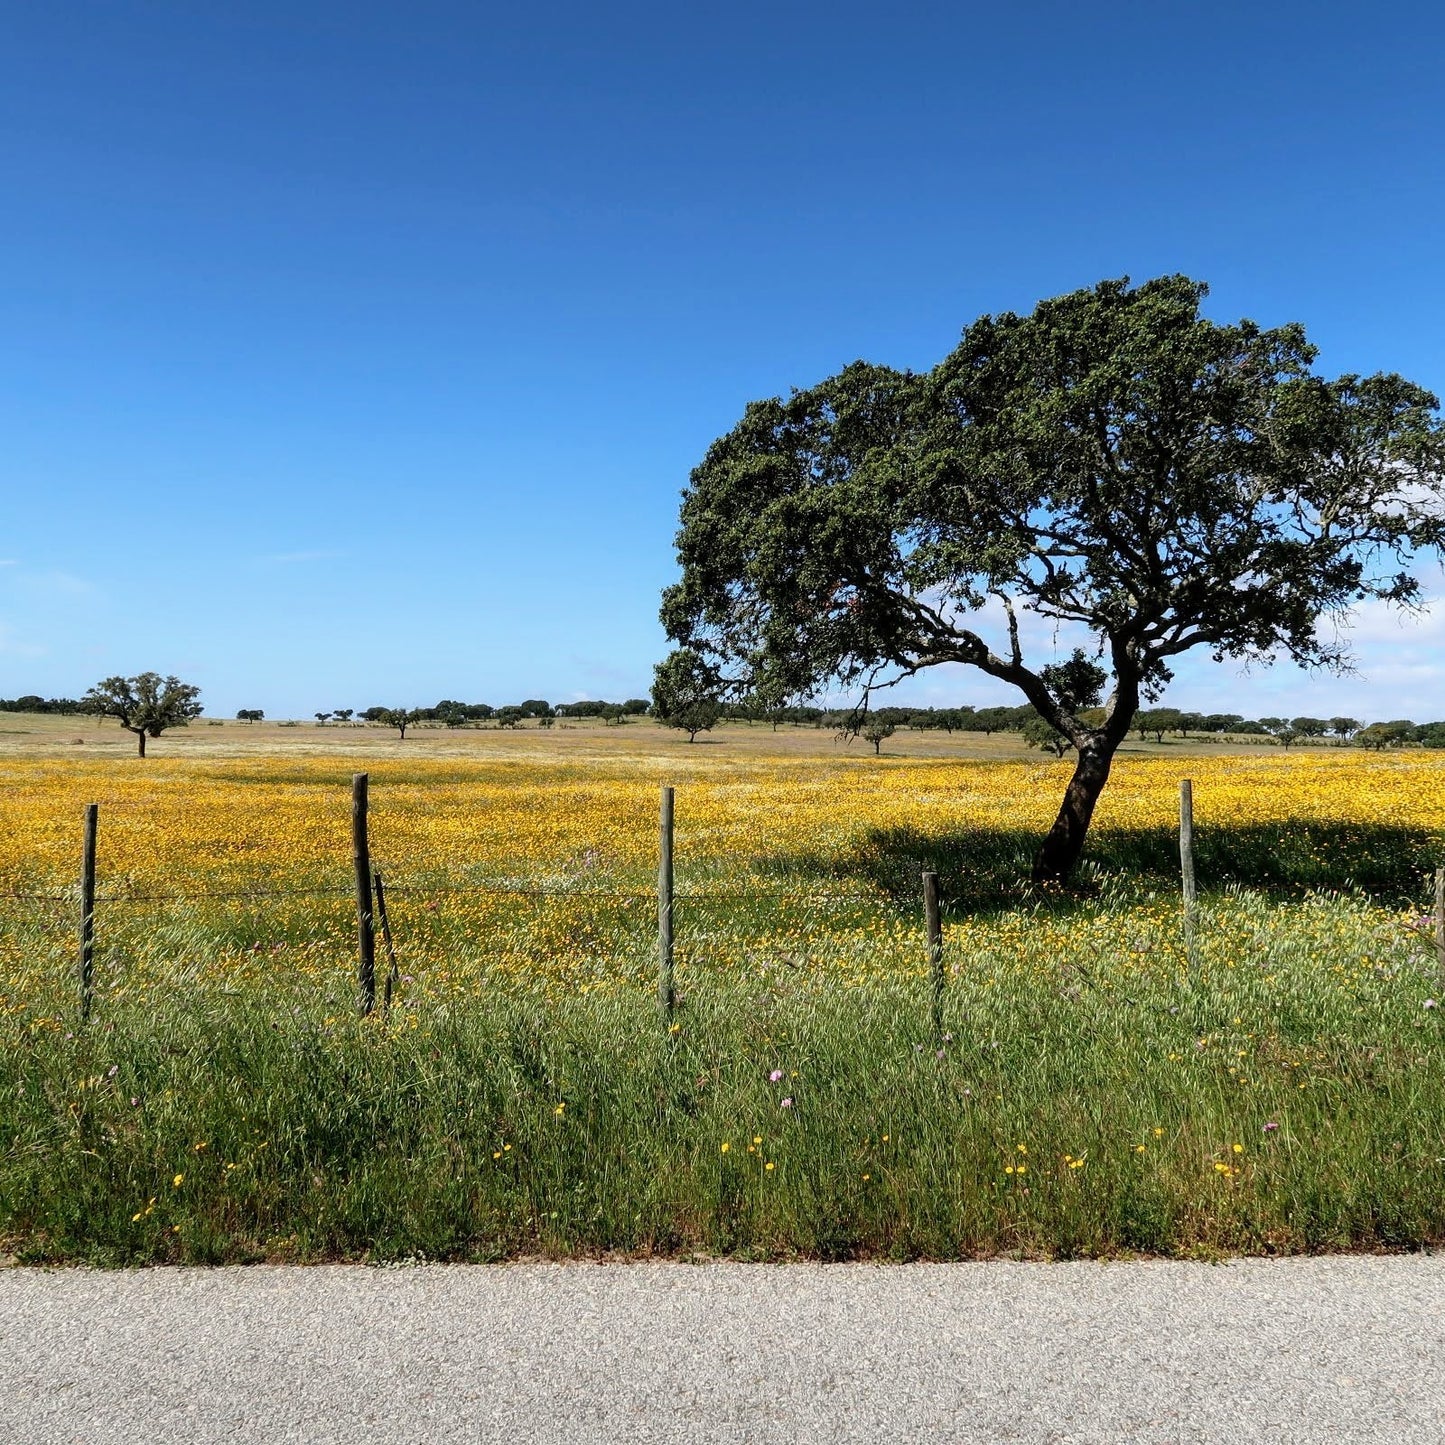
x=1098, y=1087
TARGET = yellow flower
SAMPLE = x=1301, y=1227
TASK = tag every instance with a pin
x=768, y=1165
x=726, y=1146
x=1238, y=1148
x=558, y=1110
x=178, y=1181
x=1158, y=1133
x=1139, y=1148
x=757, y=1138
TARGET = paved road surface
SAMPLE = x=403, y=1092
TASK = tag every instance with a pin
x=1298, y=1350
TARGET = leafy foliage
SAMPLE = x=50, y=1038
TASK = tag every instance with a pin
x=1113, y=461
x=1039, y=732
x=146, y=704
x=685, y=693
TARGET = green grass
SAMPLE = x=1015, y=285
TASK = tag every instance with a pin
x=500, y=1120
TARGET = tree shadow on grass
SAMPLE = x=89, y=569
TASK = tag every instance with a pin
x=982, y=869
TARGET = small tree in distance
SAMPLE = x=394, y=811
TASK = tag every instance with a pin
x=1038, y=732
x=1382, y=735
x=685, y=693
x=250, y=715
x=146, y=704
x=875, y=730
x=399, y=718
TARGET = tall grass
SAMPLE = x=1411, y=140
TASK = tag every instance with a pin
x=1097, y=1093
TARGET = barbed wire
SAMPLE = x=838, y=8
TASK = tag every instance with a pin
x=422, y=890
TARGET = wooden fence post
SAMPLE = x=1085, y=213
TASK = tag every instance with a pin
x=1186, y=860
x=666, y=983
x=365, y=928
x=1440, y=917
x=390, y=984
x=933, y=924
x=87, y=910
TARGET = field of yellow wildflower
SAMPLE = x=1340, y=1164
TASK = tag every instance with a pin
x=1098, y=1087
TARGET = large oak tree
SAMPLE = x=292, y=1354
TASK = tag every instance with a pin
x=1114, y=460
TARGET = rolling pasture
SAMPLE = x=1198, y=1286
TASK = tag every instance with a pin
x=1099, y=1086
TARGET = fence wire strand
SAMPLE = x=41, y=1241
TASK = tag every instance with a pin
x=422, y=890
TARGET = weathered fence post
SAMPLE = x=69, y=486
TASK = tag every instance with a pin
x=1440, y=917
x=1186, y=860
x=666, y=984
x=87, y=910
x=386, y=939
x=933, y=923
x=365, y=928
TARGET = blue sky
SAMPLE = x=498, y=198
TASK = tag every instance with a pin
x=358, y=353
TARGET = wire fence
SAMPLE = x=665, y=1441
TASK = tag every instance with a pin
x=82, y=905
x=70, y=896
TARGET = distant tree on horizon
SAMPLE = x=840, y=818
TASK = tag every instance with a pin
x=685, y=693
x=1038, y=732
x=876, y=731
x=1382, y=735
x=399, y=718
x=146, y=704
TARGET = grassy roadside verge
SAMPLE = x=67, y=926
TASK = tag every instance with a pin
x=1097, y=1095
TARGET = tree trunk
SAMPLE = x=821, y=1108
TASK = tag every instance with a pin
x=1065, y=842
x=140, y=734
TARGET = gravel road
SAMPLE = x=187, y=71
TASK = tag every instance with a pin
x=1341, y=1349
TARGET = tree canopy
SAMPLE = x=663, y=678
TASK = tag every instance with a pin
x=685, y=692
x=146, y=704
x=1114, y=461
